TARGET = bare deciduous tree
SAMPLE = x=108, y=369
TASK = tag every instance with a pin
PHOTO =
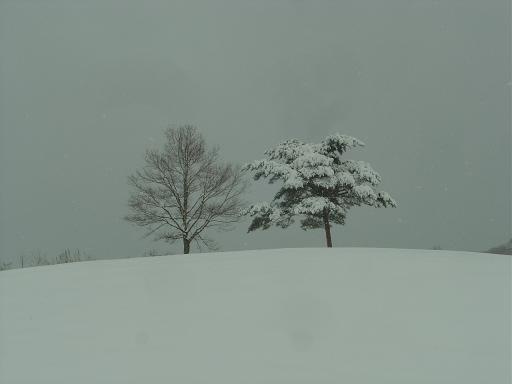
x=70, y=257
x=39, y=258
x=34, y=259
x=4, y=265
x=184, y=190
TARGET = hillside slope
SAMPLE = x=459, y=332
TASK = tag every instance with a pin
x=503, y=249
x=275, y=316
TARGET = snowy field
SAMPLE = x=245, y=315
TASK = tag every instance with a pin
x=276, y=316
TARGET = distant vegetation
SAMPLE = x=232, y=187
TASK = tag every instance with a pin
x=504, y=249
x=4, y=265
x=154, y=252
x=38, y=258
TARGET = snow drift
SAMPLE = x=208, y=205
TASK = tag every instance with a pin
x=274, y=316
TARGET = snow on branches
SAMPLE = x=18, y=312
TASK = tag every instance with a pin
x=316, y=183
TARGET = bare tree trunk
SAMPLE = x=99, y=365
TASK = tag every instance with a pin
x=186, y=246
x=327, y=228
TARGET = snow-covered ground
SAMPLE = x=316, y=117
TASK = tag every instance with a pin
x=275, y=316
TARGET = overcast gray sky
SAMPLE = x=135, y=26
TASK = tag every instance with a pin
x=87, y=86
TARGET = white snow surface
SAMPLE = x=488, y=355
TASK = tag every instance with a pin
x=342, y=315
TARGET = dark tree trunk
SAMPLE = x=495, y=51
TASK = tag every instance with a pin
x=327, y=228
x=186, y=246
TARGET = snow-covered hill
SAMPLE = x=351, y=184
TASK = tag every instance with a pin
x=275, y=316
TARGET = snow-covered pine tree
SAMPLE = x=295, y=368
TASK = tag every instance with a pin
x=318, y=184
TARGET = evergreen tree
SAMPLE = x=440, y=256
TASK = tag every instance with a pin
x=318, y=184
